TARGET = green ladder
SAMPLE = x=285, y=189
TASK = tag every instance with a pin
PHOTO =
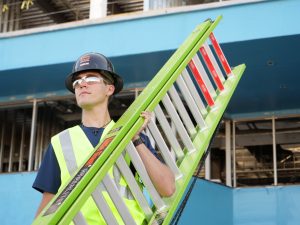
x=189, y=96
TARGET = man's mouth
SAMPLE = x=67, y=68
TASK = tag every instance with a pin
x=84, y=93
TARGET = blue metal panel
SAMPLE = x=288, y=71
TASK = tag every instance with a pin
x=270, y=84
x=209, y=204
x=48, y=81
x=19, y=202
x=267, y=206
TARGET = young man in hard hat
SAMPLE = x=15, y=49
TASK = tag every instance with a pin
x=93, y=81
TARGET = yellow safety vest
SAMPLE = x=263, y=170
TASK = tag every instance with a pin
x=71, y=148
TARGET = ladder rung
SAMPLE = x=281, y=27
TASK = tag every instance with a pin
x=134, y=187
x=187, y=79
x=185, y=138
x=164, y=150
x=214, y=62
x=140, y=168
x=211, y=68
x=220, y=54
x=115, y=196
x=182, y=111
x=190, y=102
x=168, y=132
x=204, y=76
x=103, y=206
x=201, y=84
x=79, y=219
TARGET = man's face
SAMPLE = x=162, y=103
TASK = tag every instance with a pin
x=91, y=89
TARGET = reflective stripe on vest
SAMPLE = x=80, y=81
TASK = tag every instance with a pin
x=68, y=147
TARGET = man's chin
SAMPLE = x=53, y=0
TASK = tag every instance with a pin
x=85, y=105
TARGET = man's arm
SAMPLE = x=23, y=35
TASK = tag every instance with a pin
x=160, y=174
x=45, y=199
x=47, y=180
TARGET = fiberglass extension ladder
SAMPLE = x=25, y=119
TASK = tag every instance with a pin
x=189, y=96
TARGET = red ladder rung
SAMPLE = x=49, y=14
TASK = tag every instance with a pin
x=211, y=69
x=220, y=54
x=201, y=83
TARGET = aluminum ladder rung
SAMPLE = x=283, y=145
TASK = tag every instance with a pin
x=182, y=111
x=134, y=187
x=194, y=92
x=220, y=55
x=211, y=68
x=140, y=168
x=204, y=76
x=190, y=102
x=168, y=132
x=185, y=138
x=79, y=219
x=118, y=201
x=103, y=206
x=167, y=156
x=214, y=62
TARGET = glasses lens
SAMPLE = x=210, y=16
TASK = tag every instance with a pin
x=88, y=80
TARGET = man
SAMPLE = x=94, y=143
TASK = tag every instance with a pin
x=93, y=81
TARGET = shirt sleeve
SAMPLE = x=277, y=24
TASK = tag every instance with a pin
x=48, y=177
x=147, y=142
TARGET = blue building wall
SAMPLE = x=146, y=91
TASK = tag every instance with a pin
x=152, y=32
x=209, y=203
x=263, y=34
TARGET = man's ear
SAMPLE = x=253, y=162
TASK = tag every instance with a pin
x=111, y=90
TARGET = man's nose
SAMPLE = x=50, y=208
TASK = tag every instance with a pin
x=83, y=83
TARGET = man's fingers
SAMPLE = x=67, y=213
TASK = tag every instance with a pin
x=147, y=116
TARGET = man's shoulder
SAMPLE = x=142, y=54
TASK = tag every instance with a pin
x=70, y=129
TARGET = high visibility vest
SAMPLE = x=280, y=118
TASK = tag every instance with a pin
x=71, y=148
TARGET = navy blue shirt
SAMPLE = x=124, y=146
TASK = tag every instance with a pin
x=48, y=177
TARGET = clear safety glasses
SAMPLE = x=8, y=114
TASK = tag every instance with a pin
x=88, y=80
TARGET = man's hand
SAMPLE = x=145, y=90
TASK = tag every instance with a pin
x=160, y=174
x=147, y=116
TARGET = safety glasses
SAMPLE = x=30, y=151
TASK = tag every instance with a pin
x=88, y=80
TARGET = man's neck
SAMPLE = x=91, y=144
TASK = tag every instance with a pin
x=96, y=117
